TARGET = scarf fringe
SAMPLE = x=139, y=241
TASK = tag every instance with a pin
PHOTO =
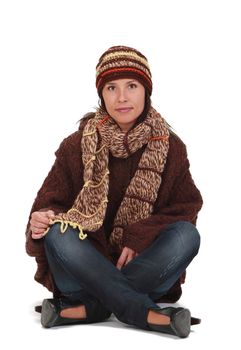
x=64, y=224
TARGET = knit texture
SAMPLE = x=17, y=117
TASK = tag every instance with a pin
x=102, y=135
x=123, y=62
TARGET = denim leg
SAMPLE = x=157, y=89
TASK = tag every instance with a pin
x=70, y=288
x=157, y=268
x=98, y=276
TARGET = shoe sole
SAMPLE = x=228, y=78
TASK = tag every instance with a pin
x=181, y=323
x=48, y=314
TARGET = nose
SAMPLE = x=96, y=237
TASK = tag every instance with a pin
x=122, y=95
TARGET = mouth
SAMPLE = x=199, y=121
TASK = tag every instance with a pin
x=124, y=109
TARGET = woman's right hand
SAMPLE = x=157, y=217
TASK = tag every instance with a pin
x=39, y=223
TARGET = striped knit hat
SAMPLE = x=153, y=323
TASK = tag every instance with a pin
x=123, y=62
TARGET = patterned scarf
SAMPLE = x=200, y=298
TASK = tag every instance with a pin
x=102, y=135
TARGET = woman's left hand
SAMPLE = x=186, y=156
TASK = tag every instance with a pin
x=126, y=256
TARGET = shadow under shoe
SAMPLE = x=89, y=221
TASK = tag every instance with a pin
x=180, y=322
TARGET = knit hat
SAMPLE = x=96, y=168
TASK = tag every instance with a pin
x=120, y=62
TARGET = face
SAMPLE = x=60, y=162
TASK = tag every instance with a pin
x=124, y=100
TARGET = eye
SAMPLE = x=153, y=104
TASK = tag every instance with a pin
x=111, y=88
x=132, y=86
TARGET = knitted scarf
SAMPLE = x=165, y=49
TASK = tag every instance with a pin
x=102, y=135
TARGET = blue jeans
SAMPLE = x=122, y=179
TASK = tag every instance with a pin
x=82, y=273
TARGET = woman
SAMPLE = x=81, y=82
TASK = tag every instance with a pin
x=113, y=225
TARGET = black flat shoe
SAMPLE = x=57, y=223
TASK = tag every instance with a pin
x=194, y=320
x=180, y=322
x=50, y=314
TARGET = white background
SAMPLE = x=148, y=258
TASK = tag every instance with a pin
x=49, y=50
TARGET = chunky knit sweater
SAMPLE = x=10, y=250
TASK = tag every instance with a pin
x=178, y=199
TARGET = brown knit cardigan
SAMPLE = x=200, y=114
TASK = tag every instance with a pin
x=178, y=199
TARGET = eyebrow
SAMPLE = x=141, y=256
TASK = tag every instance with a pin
x=128, y=82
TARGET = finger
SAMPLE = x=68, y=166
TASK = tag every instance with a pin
x=121, y=260
x=39, y=225
x=37, y=236
x=120, y=263
x=39, y=219
x=38, y=231
x=50, y=214
x=131, y=255
x=129, y=258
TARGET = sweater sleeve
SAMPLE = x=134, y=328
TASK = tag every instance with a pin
x=57, y=191
x=182, y=204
